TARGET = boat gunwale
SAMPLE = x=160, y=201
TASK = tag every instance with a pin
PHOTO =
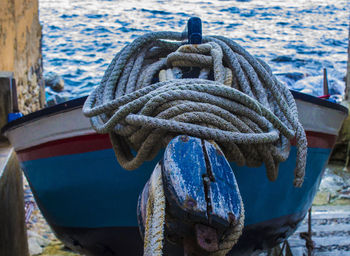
x=78, y=102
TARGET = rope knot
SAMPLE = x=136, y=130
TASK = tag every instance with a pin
x=205, y=56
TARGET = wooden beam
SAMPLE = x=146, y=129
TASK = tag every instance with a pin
x=13, y=234
x=8, y=97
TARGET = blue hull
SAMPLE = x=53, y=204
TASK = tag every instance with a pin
x=90, y=191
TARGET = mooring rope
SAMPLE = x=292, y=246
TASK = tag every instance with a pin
x=144, y=100
x=155, y=215
x=232, y=235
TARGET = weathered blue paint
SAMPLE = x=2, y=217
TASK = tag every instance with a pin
x=199, y=183
x=183, y=168
x=92, y=190
x=224, y=192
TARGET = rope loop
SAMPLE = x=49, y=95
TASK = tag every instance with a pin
x=146, y=98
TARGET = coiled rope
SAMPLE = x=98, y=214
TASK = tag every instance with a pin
x=245, y=109
x=155, y=215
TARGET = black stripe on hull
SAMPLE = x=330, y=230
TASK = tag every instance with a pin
x=127, y=240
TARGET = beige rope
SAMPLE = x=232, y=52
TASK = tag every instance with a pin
x=155, y=215
x=246, y=110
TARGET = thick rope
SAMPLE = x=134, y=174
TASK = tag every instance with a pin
x=231, y=237
x=245, y=109
x=154, y=228
x=253, y=117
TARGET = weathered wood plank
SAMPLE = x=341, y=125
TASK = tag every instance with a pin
x=325, y=228
x=330, y=232
x=13, y=236
x=224, y=191
x=6, y=83
x=184, y=166
x=203, y=199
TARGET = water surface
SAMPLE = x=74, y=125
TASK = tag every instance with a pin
x=298, y=38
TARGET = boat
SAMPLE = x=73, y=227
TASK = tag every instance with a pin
x=90, y=201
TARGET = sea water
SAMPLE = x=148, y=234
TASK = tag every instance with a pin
x=297, y=38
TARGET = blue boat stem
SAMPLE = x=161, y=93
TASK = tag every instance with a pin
x=194, y=30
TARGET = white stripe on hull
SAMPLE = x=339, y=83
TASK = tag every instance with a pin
x=317, y=118
x=73, y=123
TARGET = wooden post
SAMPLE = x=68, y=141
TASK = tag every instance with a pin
x=325, y=82
x=13, y=234
x=347, y=87
x=8, y=98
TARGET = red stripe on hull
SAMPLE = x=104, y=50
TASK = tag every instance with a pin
x=69, y=146
x=318, y=140
x=94, y=142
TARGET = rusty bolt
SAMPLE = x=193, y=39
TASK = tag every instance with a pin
x=206, y=238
